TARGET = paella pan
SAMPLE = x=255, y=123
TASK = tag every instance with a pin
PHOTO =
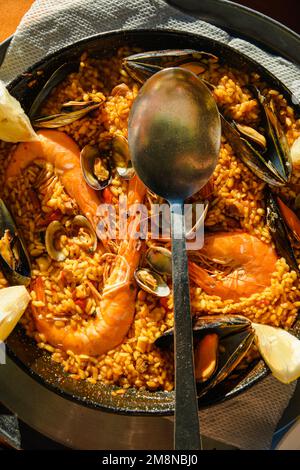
x=99, y=322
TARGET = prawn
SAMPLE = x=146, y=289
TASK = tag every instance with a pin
x=63, y=153
x=248, y=265
x=117, y=304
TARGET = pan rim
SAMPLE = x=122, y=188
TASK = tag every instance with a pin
x=168, y=408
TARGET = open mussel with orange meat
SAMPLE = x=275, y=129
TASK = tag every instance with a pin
x=280, y=220
x=266, y=153
x=220, y=344
x=14, y=259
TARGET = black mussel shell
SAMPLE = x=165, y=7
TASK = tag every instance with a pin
x=58, y=76
x=232, y=349
x=141, y=66
x=278, y=151
x=279, y=230
x=223, y=325
x=235, y=335
x=21, y=273
x=257, y=162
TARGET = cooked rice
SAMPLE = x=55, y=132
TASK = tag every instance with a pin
x=72, y=287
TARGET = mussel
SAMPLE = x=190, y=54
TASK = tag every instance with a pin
x=121, y=157
x=224, y=340
x=290, y=218
x=279, y=231
x=14, y=260
x=268, y=156
x=252, y=134
x=141, y=66
x=66, y=117
x=278, y=150
x=96, y=169
x=57, y=76
x=151, y=282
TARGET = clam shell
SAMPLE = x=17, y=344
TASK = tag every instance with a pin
x=159, y=259
x=121, y=157
x=161, y=290
x=53, y=229
x=88, y=156
x=81, y=221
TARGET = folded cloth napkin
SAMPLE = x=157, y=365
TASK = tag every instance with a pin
x=247, y=421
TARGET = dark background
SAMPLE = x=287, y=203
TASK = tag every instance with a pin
x=284, y=11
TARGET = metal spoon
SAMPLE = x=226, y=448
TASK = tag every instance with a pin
x=174, y=139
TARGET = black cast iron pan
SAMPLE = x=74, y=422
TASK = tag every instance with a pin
x=23, y=350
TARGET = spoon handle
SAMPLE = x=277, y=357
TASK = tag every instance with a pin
x=187, y=426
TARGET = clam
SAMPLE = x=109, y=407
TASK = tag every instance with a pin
x=151, y=282
x=88, y=236
x=159, y=259
x=141, y=66
x=53, y=232
x=221, y=342
x=14, y=260
x=121, y=157
x=96, y=169
x=279, y=231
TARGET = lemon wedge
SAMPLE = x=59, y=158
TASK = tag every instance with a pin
x=280, y=350
x=13, y=303
x=14, y=124
x=295, y=152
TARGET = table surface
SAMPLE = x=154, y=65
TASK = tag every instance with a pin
x=11, y=12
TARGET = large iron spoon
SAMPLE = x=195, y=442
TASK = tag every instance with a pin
x=174, y=138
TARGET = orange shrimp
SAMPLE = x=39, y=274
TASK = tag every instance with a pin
x=248, y=265
x=117, y=304
x=60, y=150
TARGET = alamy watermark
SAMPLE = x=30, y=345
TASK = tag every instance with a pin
x=142, y=222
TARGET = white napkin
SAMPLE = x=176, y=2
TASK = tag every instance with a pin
x=247, y=421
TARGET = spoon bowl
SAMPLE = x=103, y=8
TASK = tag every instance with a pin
x=174, y=133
